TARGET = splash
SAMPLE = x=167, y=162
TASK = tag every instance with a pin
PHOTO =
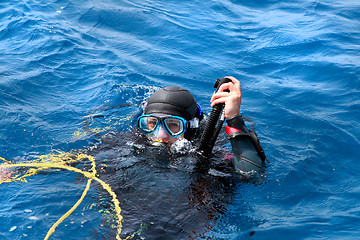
x=182, y=146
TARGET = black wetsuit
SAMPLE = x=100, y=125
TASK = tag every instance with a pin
x=162, y=193
x=248, y=153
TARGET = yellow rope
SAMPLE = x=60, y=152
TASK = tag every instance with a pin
x=116, y=204
x=3, y=159
x=59, y=161
x=52, y=229
x=89, y=175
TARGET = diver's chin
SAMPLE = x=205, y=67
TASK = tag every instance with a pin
x=159, y=143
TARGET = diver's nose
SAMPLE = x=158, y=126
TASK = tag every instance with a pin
x=162, y=133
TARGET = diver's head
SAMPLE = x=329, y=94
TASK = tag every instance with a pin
x=171, y=113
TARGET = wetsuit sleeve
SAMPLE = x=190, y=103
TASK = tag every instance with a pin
x=248, y=152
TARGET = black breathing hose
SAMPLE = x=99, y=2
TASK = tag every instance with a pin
x=212, y=131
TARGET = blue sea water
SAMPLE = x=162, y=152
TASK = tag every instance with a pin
x=299, y=66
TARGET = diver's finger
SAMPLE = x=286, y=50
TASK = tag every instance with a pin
x=235, y=82
x=219, y=95
x=225, y=86
x=233, y=79
x=217, y=101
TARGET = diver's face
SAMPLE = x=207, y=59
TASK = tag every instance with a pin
x=161, y=134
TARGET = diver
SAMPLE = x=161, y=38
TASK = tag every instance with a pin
x=172, y=193
x=172, y=114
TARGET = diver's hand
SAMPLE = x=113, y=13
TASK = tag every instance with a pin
x=5, y=174
x=229, y=94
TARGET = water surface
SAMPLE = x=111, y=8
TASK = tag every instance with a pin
x=65, y=65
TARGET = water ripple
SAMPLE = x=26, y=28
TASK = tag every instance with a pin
x=298, y=62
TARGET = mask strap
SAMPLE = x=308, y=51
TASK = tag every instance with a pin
x=143, y=105
x=194, y=123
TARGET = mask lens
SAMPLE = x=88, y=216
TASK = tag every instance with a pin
x=175, y=126
x=148, y=123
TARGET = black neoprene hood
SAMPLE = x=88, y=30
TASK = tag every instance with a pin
x=172, y=100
